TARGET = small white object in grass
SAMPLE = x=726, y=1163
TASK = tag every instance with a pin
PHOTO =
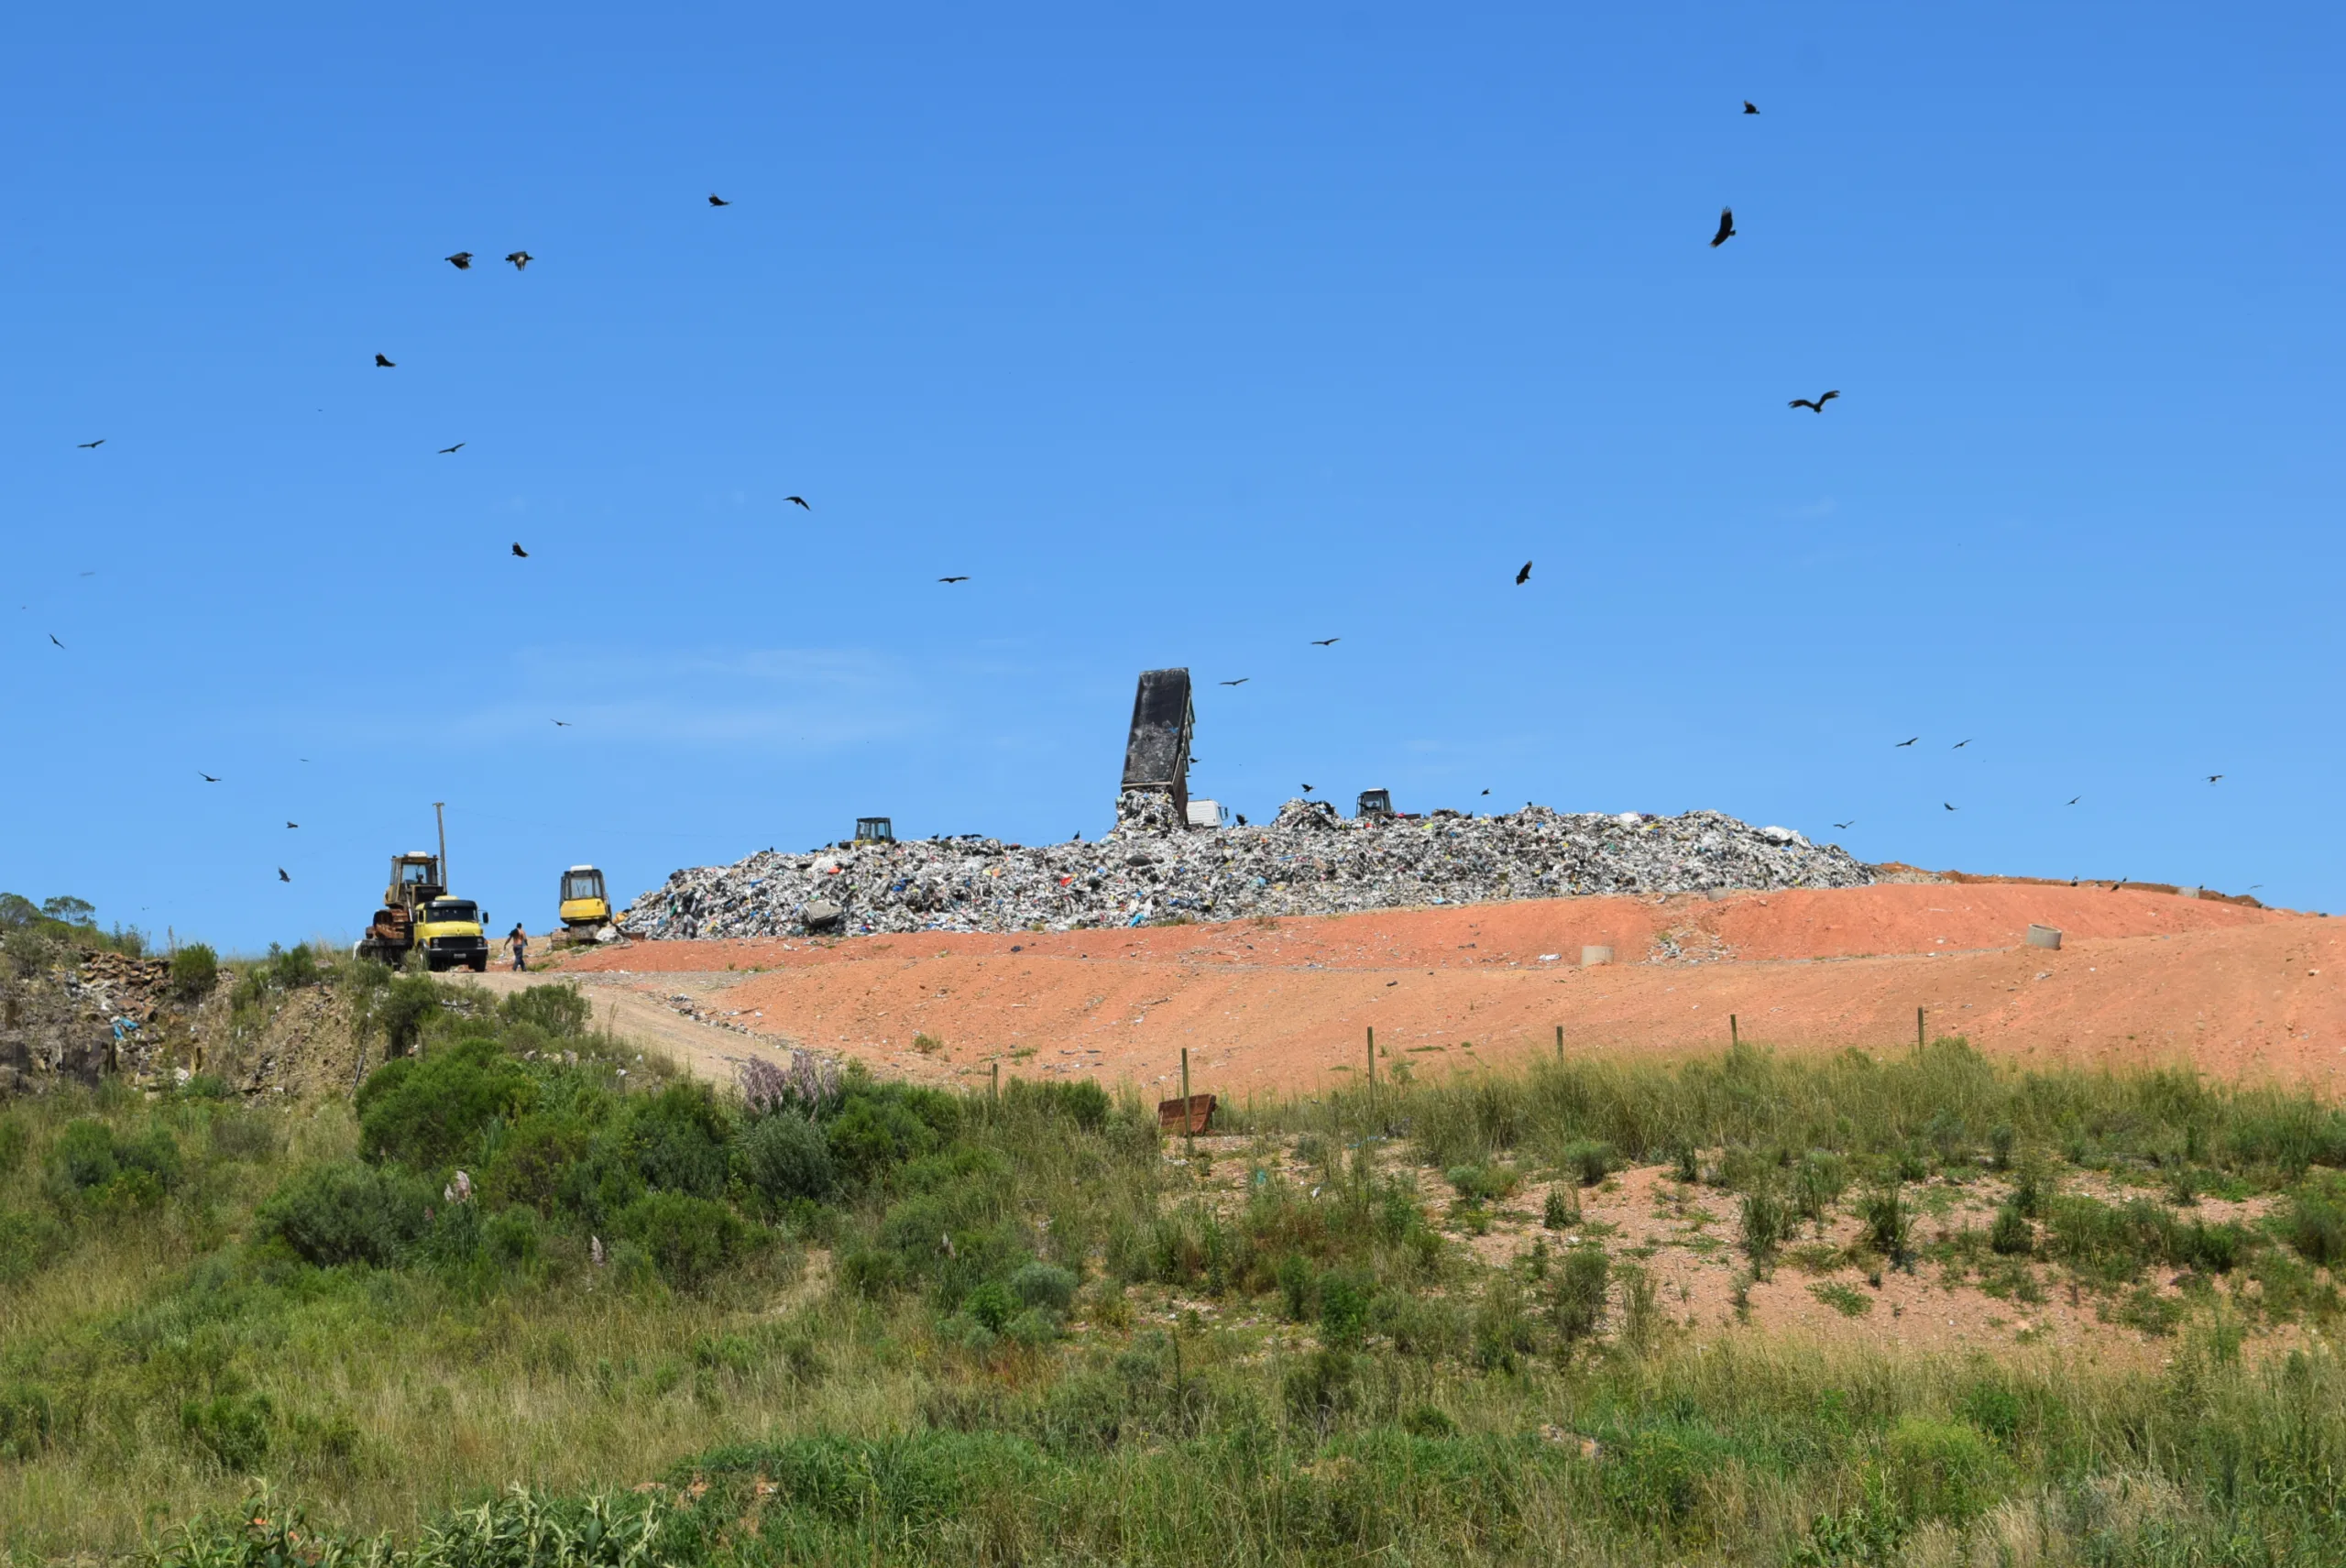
x=1550, y=958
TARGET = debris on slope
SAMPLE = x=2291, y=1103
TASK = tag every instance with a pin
x=1307, y=861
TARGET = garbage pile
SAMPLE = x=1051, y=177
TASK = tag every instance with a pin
x=1307, y=861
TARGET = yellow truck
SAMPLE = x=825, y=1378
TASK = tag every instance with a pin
x=418, y=915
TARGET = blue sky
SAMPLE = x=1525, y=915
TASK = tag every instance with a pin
x=1191, y=335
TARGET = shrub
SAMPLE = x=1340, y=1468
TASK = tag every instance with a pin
x=992, y=1305
x=233, y=1429
x=1889, y=1227
x=29, y=1243
x=290, y=968
x=559, y=1010
x=1044, y=1287
x=539, y=1163
x=426, y=1111
x=1561, y=1209
x=195, y=969
x=1818, y=1182
x=2010, y=1234
x=1589, y=1160
x=679, y=1138
x=688, y=1239
x=1344, y=1301
x=2001, y=1139
x=401, y=1009
x=783, y=1157
x=346, y=1212
x=873, y=1135
x=1083, y=1102
x=1579, y=1304
x=84, y=1156
x=2316, y=1222
x=1763, y=1226
x=1944, y=1470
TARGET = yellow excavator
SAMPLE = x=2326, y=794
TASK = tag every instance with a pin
x=585, y=908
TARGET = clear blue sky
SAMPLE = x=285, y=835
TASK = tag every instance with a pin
x=1190, y=336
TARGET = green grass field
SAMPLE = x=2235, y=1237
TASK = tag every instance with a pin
x=866, y=1323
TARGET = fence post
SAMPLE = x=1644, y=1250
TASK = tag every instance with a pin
x=995, y=1092
x=1189, y=1136
x=1733, y=1038
x=1918, y=1029
x=1372, y=1069
x=1560, y=1045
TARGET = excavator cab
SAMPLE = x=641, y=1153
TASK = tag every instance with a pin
x=874, y=831
x=1373, y=803
x=415, y=879
x=583, y=903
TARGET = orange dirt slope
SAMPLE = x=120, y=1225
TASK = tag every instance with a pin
x=2143, y=977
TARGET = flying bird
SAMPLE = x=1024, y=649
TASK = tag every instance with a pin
x=292, y=825
x=1815, y=404
x=1845, y=827
x=1486, y=792
x=445, y=450
x=207, y=778
x=462, y=261
x=1907, y=743
x=562, y=724
x=1750, y=107
x=282, y=876
x=520, y=259
x=1949, y=808
x=1242, y=822
x=521, y=554
x=1524, y=575
x=1239, y=682
x=2213, y=777
x=1959, y=745
x=798, y=502
x=1326, y=641
x=52, y=637
x=383, y=362
x=91, y=445
x=2075, y=798
x=961, y=580
x=1726, y=227
x=1307, y=789
x=716, y=201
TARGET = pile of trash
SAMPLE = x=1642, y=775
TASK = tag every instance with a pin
x=1307, y=861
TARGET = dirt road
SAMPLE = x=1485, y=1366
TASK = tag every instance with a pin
x=2142, y=978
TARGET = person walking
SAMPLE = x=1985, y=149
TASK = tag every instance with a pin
x=518, y=941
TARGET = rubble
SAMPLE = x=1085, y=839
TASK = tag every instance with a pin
x=1308, y=860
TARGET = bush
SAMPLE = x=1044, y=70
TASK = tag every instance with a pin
x=559, y=1010
x=679, y=1138
x=873, y=1135
x=1888, y=1228
x=1344, y=1301
x=1818, y=1182
x=783, y=1157
x=1763, y=1226
x=400, y=1010
x=2010, y=1234
x=233, y=1429
x=1579, y=1304
x=1944, y=1470
x=1560, y=1211
x=195, y=969
x=1083, y=1102
x=539, y=1163
x=290, y=968
x=1590, y=1160
x=346, y=1212
x=1044, y=1287
x=2316, y=1222
x=427, y=1110
x=29, y=1243
x=688, y=1239
x=992, y=1305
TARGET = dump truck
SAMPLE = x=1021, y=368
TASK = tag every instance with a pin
x=1156, y=752
x=417, y=913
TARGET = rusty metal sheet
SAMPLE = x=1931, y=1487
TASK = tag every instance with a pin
x=1199, y=1119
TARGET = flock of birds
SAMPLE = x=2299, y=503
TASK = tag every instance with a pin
x=520, y=260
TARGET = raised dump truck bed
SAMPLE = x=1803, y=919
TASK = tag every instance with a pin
x=1156, y=756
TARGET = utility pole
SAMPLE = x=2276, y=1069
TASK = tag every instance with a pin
x=440, y=816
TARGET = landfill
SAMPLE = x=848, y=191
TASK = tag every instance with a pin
x=1150, y=870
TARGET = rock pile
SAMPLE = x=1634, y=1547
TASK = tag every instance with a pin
x=1307, y=861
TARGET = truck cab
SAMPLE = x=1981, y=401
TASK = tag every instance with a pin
x=452, y=931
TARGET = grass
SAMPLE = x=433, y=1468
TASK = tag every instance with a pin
x=877, y=1324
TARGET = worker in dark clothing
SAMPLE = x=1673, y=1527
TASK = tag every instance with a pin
x=517, y=940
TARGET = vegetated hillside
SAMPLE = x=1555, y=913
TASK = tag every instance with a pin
x=860, y=1321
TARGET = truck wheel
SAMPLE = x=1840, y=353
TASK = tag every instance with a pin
x=480, y=962
x=434, y=963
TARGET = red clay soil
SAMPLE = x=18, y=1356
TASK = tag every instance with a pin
x=1282, y=1006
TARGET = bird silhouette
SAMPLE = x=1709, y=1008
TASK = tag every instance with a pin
x=1307, y=789
x=520, y=259
x=91, y=445
x=445, y=450
x=1726, y=227
x=521, y=554
x=2119, y=883
x=1326, y=641
x=1949, y=808
x=1815, y=404
x=1239, y=682
x=2075, y=798
x=462, y=261
x=52, y=637
x=1524, y=575
x=1242, y=819
x=1845, y=827
x=383, y=362
x=959, y=579
x=1750, y=107
x=1906, y=742
x=282, y=876
x=798, y=502
x=716, y=201
x=2213, y=777
x=562, y=724
x=1959, y=745
x=207, y=778
x=292, y=825
x=1486, y=792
